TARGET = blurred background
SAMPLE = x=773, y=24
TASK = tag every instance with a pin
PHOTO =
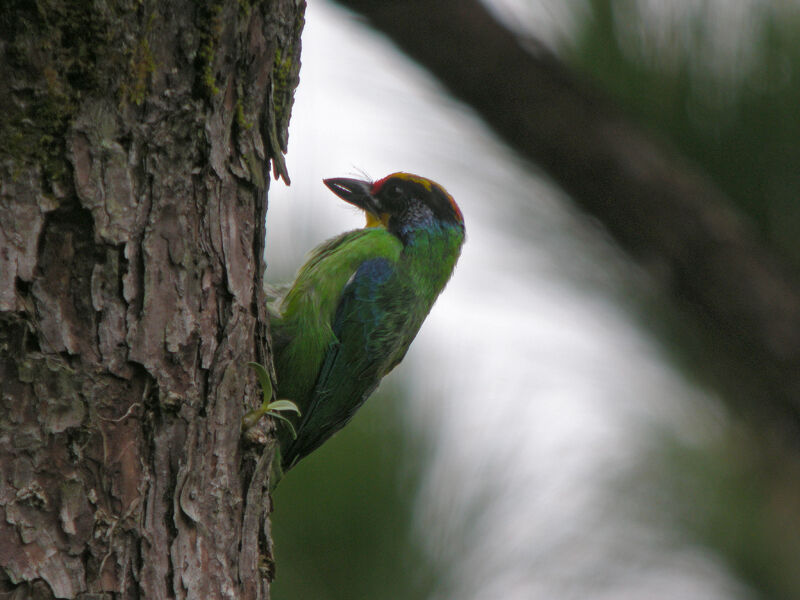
x=551, y=433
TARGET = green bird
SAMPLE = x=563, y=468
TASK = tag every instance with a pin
x=358, y=302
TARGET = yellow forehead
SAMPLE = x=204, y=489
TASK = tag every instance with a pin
x=426, y=183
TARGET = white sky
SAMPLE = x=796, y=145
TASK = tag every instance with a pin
x=543, y=386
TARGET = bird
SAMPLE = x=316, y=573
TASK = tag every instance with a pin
x=358, y=302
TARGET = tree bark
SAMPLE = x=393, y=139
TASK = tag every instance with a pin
x=734, y=290
x=136, y=139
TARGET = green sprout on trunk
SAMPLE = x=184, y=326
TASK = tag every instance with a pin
x=272, y=409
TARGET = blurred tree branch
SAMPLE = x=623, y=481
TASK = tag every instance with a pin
x=661, y=209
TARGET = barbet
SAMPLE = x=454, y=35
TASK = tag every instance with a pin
x=359, y=301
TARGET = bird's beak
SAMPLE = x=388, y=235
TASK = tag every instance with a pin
x=357, y=193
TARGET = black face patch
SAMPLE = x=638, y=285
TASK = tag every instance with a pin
x=398, y=193
x=443, y=205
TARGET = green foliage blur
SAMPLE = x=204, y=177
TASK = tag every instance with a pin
x=736, y=496
x=727, y=100
x=343, y=520
x=730, y=102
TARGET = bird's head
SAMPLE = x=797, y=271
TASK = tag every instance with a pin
x=401, y=202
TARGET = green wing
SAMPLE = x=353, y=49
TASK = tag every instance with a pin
x=302, y=318
x=302, y=325
x=370, y=326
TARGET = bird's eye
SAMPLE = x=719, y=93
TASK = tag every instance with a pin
x=394, y=192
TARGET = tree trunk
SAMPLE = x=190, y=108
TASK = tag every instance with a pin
x=136, y=136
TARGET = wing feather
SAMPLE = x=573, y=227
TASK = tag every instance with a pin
x=365, y=329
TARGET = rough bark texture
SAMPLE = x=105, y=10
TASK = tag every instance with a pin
x=136, y=137
x=743, y=297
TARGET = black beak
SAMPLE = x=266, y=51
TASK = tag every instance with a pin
x=355, y=192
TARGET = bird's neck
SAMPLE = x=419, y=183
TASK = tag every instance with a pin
x=430, y=254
